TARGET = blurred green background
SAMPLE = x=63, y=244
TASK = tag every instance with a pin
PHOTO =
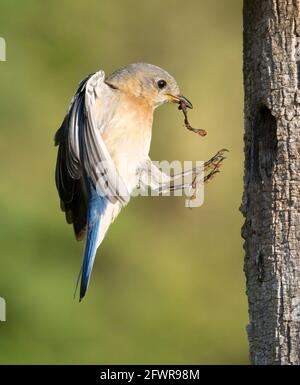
x=168, y=283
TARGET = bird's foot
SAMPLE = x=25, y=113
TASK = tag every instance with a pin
x=211, y=168
x=198, y=177
x=216, y=161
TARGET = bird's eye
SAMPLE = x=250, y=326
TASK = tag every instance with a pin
x=161, y=84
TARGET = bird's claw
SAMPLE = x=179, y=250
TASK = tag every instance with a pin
x=213, y=166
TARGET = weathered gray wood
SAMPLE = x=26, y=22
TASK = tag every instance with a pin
x=271, y=204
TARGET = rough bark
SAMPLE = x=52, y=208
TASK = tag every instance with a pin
x=271, y=203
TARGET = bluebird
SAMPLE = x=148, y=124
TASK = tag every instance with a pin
x=103, y=150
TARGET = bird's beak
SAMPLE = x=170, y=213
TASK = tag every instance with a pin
x=180, y=100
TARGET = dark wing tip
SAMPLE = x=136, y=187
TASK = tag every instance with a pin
x=82, y=292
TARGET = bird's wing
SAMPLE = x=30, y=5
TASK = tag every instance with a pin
x=82, y=151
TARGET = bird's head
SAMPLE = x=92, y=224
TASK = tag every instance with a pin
x=149, y=82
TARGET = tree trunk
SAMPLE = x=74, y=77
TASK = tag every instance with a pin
x=271, y=204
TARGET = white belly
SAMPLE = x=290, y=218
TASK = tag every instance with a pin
x=128, y=147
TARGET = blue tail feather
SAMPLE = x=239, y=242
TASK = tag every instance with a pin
x=96, y=207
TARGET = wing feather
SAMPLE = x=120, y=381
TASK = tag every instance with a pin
x=82, y=154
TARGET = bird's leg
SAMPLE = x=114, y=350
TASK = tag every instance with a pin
x=211, y=167
x=191, y=181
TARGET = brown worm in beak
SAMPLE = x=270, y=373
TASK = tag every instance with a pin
x=199, y=131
